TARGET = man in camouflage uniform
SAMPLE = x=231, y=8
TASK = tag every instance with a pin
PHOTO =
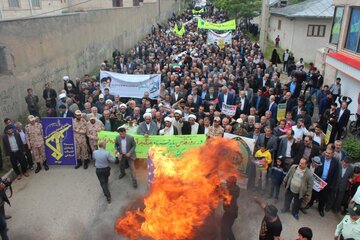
x=215, y=130
x=92, y=128
x=80, y=140
x=35, y=141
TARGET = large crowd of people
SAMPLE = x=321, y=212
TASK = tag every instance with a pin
x=196, y=79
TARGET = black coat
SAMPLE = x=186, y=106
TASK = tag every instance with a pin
x=332, y=176
x=6, y=143
x=298, y=149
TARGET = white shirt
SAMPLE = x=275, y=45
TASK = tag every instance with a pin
x=270, y=105
x=225, y=98
x=123, y=146
x=341, y=113
x=148, y=126
x=299, y=132
x=288, y=148
x=356, y=197
x=242, y=101
x=317, y=138
x=176, y=96
x=13, y=144
x=23, y=136
x=206, y=130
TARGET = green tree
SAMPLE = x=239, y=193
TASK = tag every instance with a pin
x=246, y=9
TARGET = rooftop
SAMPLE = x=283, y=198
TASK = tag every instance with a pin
x=307, y=9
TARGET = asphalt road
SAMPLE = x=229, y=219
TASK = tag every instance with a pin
x=65, y=203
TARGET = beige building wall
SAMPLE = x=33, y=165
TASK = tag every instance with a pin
x=39, y=50
x=293, y=35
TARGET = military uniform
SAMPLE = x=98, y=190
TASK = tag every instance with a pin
x=92, y=131
x=82, y=153
x=215, y=132
x=35, y=141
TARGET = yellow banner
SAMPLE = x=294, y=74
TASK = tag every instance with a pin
x=328, y=133
x=179, y=32
x=198, y=12
x=281, y=111
x=229, y=25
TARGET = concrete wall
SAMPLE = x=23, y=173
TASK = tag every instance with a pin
x=40, y=50
x=293, y=35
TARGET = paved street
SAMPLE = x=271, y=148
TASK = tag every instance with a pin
x=65, y=203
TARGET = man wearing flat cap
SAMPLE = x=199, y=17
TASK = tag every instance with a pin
x=82, y=154
x=147, y=127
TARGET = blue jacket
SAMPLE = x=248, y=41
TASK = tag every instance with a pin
x=277, y=175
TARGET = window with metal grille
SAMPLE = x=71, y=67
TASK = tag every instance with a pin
x=316, y=31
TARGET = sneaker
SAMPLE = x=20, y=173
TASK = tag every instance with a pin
x=296, y=216
x=19, y=176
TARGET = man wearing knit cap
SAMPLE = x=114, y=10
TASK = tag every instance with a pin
x=80, y=140
x=147, y=127
x=35, y=141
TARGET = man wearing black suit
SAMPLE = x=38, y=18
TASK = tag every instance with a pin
x=64, y=112
x=344, y=114
x=225, y=97
x=176, y=95
x=343, y=185
x=50, y=95
x=289, y=101
x=14, y=148
x=329, y=173
x=243, y=105
x=304, y=149
x=259, y=103
x=125, y=146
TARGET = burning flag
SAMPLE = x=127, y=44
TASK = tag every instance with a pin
x=184, y=192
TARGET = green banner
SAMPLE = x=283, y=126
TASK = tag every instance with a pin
x=176, y=145
x=178, y=31
x=281, y=111
x=229, y=25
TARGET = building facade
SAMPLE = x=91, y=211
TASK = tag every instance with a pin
x=12, y=9
x=342, y=58
x=303, y=28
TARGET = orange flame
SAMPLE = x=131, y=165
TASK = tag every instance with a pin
x=183, y=193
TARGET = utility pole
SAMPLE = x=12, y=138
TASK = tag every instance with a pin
x=264, y=24
x=31, y=8
x=1, y=11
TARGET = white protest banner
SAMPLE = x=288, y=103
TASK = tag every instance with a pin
x=132, y=86
x=220, y=39
x=319, y=184
x=228, y=110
